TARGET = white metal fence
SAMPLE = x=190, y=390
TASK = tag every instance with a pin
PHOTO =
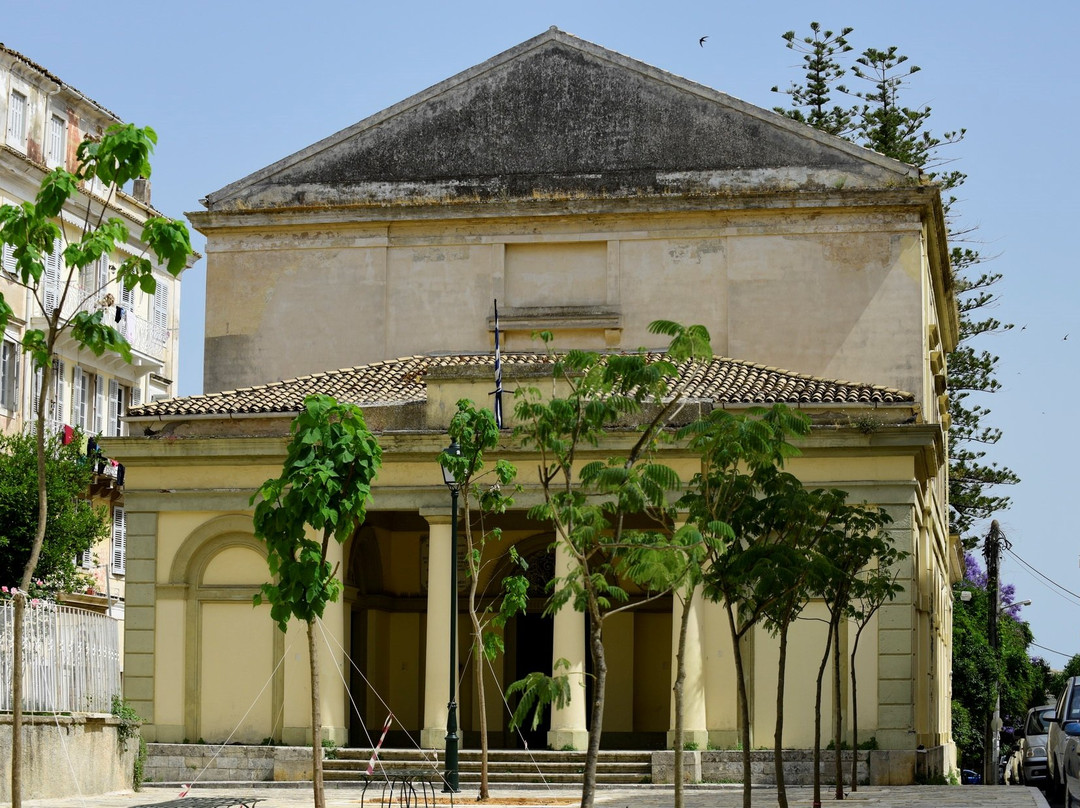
x=71, y=659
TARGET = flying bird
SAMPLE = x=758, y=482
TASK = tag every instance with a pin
x=701, y=41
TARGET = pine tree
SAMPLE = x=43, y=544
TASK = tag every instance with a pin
x=879, y=120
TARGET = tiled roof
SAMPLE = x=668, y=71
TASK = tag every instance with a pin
x=401, y=381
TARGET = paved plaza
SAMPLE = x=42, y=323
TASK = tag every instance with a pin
x=704, y=796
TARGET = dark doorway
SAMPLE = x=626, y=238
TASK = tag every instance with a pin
x=534, y=641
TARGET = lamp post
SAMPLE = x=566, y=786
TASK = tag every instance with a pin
x=451, y=776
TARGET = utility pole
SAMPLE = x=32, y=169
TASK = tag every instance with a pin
x=992, y=553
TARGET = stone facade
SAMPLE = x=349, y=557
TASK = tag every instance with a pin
x=589, y=194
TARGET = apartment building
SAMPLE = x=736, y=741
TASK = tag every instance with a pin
x=42, y=121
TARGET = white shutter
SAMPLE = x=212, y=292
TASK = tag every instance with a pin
x=113, y=426
x=99, y=404
x=161, y=313
x=9, y=259
x=52, y=278
x=80, y=398
x=57, y=140
x=85, y=560
x=103, y=274
x=59, y=382
x=17, y=121
x=127, y=297
x=9, y=375
x=35, y=393
x=119, y=541
x=136, y=396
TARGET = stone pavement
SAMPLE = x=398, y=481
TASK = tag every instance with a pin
x=645, y=796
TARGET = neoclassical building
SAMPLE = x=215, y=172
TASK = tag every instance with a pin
x=589, y=194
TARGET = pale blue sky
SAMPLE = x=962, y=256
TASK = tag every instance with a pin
x=233, y=86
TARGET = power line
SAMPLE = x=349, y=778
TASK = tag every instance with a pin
x=1051, y=650
x=1068, y=592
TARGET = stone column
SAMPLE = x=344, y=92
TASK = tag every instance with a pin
x=695, y=725
x=437, y=649
x=568, y=725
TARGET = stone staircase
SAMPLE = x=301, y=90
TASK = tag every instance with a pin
x=505, y=766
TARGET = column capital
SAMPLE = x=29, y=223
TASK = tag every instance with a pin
x=437, y=516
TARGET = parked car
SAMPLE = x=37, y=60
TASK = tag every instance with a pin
x=970, y=777
x=1066, y=714
x=1033, y=739
x=1071, y=764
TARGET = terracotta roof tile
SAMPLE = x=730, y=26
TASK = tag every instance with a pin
x=401, y=381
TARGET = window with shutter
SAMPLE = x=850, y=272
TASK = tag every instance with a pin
x=85, y=560
x=113, y=427
x=103, y=275
x=57, y=142
x=80, y=391
x=9, y=260
x=99, y=404
x=161, y=313
x=119, y=541
x=136, y=396
x=17, y=121
x=52, y=277
x=127, y=297
x=35, y=393
x=9, y=375
x=56, y=414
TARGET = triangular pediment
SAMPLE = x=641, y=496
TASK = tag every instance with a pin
x=554, y=116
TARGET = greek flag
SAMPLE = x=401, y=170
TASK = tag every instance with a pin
x=498, y=373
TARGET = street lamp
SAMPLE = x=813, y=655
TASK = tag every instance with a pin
x=451, y=777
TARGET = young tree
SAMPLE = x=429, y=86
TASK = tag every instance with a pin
x=856, y=539
x=679, y=571
x=33, y=232
x=475, y=432
x=741, y=458
x=880, y=120
x=875, y=586
x=325, y=485
x=74, y=525
x=591, y=506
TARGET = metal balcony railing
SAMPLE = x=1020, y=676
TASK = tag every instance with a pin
x=71, y=659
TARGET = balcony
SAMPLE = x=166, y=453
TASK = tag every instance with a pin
x=148, y=341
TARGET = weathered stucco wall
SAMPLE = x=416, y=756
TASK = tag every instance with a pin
x=66, y=755
x=829, y=294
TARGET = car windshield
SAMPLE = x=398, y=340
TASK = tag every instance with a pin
x=1074, y=705
x=1037, y=721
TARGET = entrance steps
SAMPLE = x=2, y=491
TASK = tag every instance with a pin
x=504, y=765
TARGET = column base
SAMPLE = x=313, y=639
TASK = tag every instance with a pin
x=692, y=738
x=434, y=738
x=561, y=739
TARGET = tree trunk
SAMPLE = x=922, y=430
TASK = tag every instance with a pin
x=478, y=658
x=680, y=684
x=817, y=715
x=838, y=714
x=24, y=587
x=744, y=704
x=778, y=737
x=596, y=643
x=854, y=717
x=316, y=722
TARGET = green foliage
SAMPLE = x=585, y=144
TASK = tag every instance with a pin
x=138, y=769
x=325, y=484
x=879, y=119
x=129, y=720
x=539, y=691
x=975, y=670
x=1055, y=682
x=811, y=103
x=72, y=524
x=330, y=749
